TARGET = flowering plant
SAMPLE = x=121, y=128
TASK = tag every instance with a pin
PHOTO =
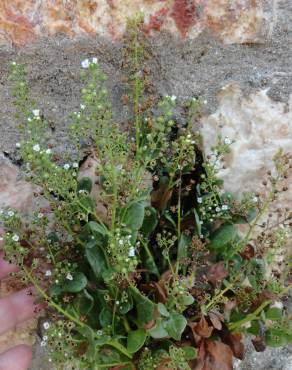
x=141, y=264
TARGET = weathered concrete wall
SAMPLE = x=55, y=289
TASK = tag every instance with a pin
x=235, y=54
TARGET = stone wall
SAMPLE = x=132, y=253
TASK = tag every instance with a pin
x=236, y=55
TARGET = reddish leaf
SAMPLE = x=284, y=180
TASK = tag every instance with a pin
x=160, y=293
x=203, y=329
x=259, y=344
x=216, y=273
x=218, y=356
x=248, y=253
x=234, y=342
x=149, y=325
x=160, y=197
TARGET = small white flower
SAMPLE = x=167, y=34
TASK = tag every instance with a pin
x=119, y=167
x=66, y=166
x=200, y=200
x=1, y=238
x=45, y=337
x=10, y=213
x=121, y=242
x=48, y=273
x=173, y=98
x=36, y=112
x=218, y=209
x=43, y=343
x=82, y=191
x=17, y=145
x=29, y=120
x=227, y=140
x=99, y=332
x=255, y=199
x=277, y=304
x=69, y=276
x=224, y=207
x=85, y=63
x=205, y=102
x=94, y=60
x=36, y=148
x=132, y=252
x=82, y=106
x=15, y=238
x=48, y=151
x=46, y=325
x=40, y=215
x=75, y=165
x=13, y=63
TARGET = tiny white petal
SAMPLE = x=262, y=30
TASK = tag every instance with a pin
x=36, y=148
x=43, y=343
x=82, y=106
x=132, y=252
x=10, y=213
x=46, y=325
x=17, y=145
x=94, y=60
x=48, y=273
x=85, y=63
x=48, y=151
x=69, y=277
x=36, y=112
x=173, y=98
x=66, y=166
x=200, y=200
x=40, y=215
x=15, y=238
x=75, y=165
x=227, y=140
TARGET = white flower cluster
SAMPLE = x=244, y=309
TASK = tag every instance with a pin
x=86, y=62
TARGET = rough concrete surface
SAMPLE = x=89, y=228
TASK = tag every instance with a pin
x=255, y=56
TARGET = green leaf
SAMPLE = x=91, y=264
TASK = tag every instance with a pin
x=145, y=307
x=274, y=313
x=88, y=205
x=162, y=310
x=186, y=299
x=136, y=339
x=55, y=290
x=176, y=325
x=97, y=228
x=125, y=307
x=105, y=317
x=84, y=184
x=150, y=221
x=134, y=215
x=182, y=249
x=78, y=283
x=96, y=260
x=223, y=236
x=158, y=331
x=198, y=223
x=276, y=338
x=190, y=352
x=83, y=303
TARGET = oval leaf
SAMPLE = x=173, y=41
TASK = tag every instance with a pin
x=136, y=339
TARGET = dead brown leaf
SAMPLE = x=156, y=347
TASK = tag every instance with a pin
x=259, y=344
x=218, y=356
x=216, y=273
x=216, y=319
x=160, y=197
x=201, y=328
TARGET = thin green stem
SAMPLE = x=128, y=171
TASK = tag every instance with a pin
x=248, y=318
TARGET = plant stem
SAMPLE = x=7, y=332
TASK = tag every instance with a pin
x=248, y=318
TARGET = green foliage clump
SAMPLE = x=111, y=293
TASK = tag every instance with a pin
x=161, y=278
